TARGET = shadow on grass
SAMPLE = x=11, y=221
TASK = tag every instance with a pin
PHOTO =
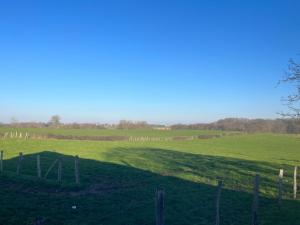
x=237, y=173
x=114, y=194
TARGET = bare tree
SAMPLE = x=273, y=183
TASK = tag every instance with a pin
x=14, y=122
x=292, y=101
x=127, y=124
x=55, y=121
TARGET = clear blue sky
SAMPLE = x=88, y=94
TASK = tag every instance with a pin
x=160, y=61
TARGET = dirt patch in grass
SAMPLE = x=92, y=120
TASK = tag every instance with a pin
x=209, y=136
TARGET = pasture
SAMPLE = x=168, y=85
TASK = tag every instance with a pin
x=119, y=178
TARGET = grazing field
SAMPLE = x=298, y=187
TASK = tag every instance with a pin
x=109, y=132
x=119, y=178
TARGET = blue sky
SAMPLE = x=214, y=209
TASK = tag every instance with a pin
x=160, y=61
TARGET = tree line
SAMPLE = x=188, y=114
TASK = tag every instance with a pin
x=247, y=125
x=291, y=125
x=55, y=122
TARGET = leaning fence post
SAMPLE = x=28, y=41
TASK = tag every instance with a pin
x=38, y=166
x=50, y=168
x=255, y=200
x=19, y=163
x=159, y=202
x=280, y=180
x=1, y=161
x=76, y=161
x=218, y=196
x=59, y=170
x=295, y=182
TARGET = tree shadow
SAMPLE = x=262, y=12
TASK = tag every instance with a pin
x=114, y=194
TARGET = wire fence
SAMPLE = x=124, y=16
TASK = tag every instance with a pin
x=251, y=184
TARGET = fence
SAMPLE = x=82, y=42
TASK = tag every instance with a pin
x=26, y=135
x=16, y=134
x=160, y=193
x=57, y=162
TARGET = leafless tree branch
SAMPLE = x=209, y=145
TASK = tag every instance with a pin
x=292, y=76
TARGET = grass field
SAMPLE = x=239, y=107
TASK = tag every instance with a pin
x=119, y=178
x=109, y=132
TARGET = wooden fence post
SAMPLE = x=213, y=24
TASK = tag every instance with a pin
x=38, y=166
x=1, y=161
x=280, y=186
x=19, y=165
x=218, y=196
x=160, y=205
x=295, y=182
x=255, y=200
x=59, y=170
x=76, y=161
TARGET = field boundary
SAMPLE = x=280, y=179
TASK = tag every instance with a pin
x=27, y=135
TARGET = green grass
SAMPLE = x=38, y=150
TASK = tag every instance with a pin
x=109, y=132
x=118, y=179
